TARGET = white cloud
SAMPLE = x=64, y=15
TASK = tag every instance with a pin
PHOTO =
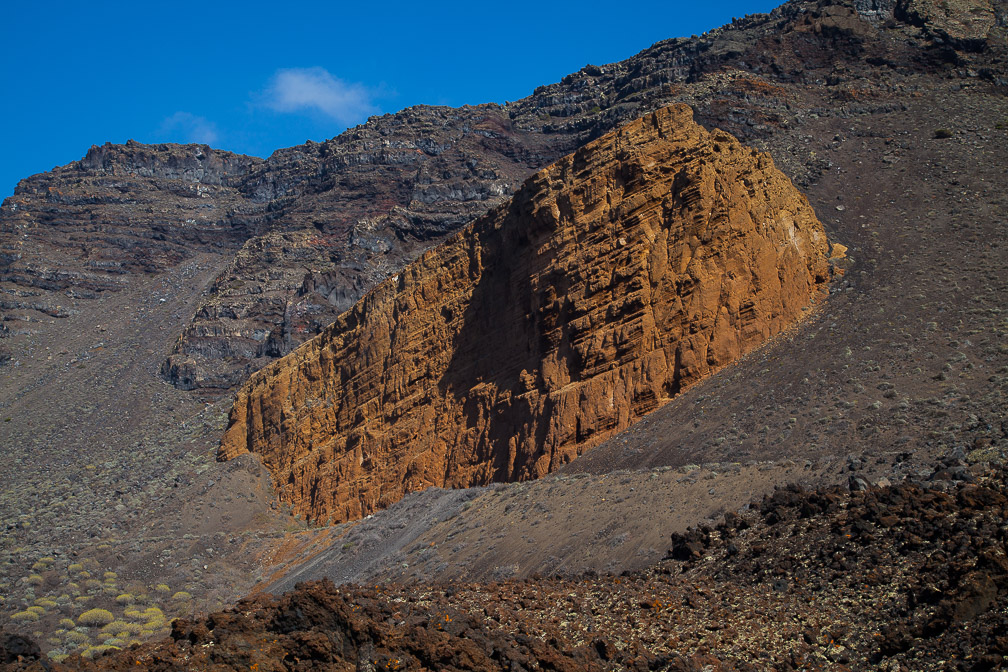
x=307, y=89
x=185, y=127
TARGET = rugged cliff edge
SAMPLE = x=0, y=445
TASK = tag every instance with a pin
x=614, y=278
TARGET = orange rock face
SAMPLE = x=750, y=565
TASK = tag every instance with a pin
x=613, y=279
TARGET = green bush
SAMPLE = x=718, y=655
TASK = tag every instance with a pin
x=125, y=598
x=25, y=616
x=181, y=596
x=96, y=617
x=113, y=628
x=130, y=629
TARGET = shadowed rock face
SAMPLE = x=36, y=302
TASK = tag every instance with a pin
x=614, y=278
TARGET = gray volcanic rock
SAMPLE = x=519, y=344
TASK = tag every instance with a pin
x=77, y=230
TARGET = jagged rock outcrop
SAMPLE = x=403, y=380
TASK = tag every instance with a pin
x=614, y=278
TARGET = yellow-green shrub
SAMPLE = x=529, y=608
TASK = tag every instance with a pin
x=155, y=623
x=181, y=596
x=113, y=627
x=96, y=617
x=125, y=598
x=67, y=623
x=25, y=616
x=130, y=629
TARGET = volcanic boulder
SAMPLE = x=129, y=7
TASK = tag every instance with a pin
x=613, y=279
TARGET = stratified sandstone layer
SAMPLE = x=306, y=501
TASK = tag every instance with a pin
x=614, y=278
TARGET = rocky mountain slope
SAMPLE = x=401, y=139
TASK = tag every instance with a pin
x=891, y=117
x=912, y=576
x=613, y=279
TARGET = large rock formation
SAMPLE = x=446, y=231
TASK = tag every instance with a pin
x=614, y=278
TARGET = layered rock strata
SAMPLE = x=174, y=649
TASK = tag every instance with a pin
x=614, y=278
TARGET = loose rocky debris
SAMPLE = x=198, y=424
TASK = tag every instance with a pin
x=911, y=576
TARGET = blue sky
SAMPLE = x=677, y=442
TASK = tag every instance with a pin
x=253, y=77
